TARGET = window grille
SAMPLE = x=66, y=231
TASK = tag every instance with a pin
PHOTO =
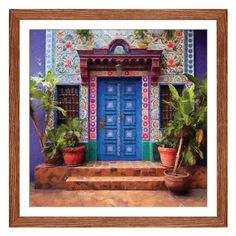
x=68, y=99
x=165, y=109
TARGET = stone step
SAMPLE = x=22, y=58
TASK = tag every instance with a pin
x=115, y=183
x=116, y=171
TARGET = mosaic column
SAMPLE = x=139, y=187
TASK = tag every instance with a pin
x=93, y=109
x=145, y=109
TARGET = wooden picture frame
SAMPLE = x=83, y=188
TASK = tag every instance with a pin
x=14, y=212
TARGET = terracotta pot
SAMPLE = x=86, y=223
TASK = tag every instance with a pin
x=177, y=184
x=167, y=156
x=74, y=156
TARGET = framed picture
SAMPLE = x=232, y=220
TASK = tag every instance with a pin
x=113, y=69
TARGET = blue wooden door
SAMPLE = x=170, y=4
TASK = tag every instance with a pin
x=119, y=119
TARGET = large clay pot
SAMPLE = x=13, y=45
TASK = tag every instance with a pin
x=74, y=156
x=167, y=156
x=177, y=184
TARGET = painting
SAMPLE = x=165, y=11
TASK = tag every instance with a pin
x=104, y=103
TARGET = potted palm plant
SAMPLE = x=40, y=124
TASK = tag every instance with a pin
x=73, y=151
x=189, y=120
x=42, y=91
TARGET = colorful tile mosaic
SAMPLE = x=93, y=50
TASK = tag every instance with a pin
x=48, y=51
x=154, y=113
x=83, y=111
x=145, y=108
x=69, y=79
x=178, y=57
x=93, y=108
x=189, y=51
x=66, y=42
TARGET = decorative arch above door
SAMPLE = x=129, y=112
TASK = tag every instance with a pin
x=119, y=53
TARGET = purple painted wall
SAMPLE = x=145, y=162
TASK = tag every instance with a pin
x=37, y=65
x=200, y=69
x=200, y=53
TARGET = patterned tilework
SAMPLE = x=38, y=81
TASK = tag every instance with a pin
x=190, y=48
x=145, y=108
x=69, y=79
x=66, y=42
x=66, y=56
x=49, y=51
x=173, y=52
x=83, y=111
x=48, y=65
x=93, y=108
x=154, y=113
x=189, y=51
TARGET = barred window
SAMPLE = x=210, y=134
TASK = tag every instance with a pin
x=165, y=109
x=68, y=99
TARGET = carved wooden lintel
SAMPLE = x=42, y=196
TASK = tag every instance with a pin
x=129, y=58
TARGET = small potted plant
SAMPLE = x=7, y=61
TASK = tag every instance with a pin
x=73, y=151
x=190, y=119
x=167, y=148
x=143, y=38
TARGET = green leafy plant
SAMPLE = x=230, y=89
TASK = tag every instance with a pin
x=143, y=36
x=71, y=132
x=66, y=135
x=55, y=143
x=84, y=34
x=42, y=92
x=170, y=135
x=188, y=121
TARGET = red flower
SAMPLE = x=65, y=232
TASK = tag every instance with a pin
x=68, y=63
x=170, y=44
x=171, y=62
x=68, y=44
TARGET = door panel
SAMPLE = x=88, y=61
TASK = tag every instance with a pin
x=119, y=117
x=131, y=123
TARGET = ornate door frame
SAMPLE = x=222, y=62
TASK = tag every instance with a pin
x=119, y=60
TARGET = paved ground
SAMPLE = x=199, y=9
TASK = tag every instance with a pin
x=102, y=198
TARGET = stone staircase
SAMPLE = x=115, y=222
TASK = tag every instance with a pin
x=111, y=175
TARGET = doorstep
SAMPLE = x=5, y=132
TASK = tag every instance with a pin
x=111, y=175
x=115, y=183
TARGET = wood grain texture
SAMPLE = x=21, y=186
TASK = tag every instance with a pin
x=220, y=15
x=222, y=117
x=14, y=122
